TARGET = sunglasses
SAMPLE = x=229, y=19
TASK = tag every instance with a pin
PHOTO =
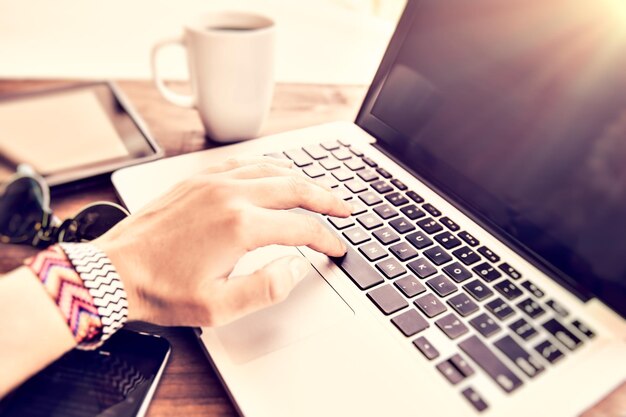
x=26, y=217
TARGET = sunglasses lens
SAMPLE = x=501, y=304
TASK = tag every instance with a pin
x=21, y=210
x=92, y=222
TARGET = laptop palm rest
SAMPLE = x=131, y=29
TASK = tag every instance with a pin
x=311, y=307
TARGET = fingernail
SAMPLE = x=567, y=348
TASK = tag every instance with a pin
x=299, y=267
x=348, y=206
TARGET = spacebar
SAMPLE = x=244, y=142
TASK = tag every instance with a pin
x=359, y=271
x=490, y=363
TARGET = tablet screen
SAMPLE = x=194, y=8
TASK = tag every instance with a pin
x=68, y=130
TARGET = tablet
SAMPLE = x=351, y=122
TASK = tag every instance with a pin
x=72, y=133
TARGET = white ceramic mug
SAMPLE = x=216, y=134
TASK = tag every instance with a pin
x=230, y=56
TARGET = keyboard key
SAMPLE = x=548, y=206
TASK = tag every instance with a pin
x=330, y=163
x=427, y=349
x=314, y=171
x=396, y=199
x=531, y=308
x=398, y=184
x=386, y=235
x=478, y=290
x=558, y=308
x=415, y=197
x=410, y=286
x=422, y=268
x=430, y=305
x=344, y=142
x=342, y=174
x=340, y=222
x=500, y=309
x=299, y=157
x=381, y=186
x=354, y=164
x=367, y=175
x=370, y=198
x=327, y=181
x=508, y=289
x=532, y=288
x=437, y=255
x=452, y=226
x=356, y=151
x=356, y=235
x=469, y=239
x=342, y=193
x=524, y=361
x=450, y=372
x=466, y=255
x=412, y=212
x=583, y=329
x=419, y=240
x=523, y=329
x=487, y=272
x=462, y=304
x=373, y=251
x=509, y=270
x=490, y=363
x=357, y=207
x=383, y=172
x=457, y=272
x=549, y=351
x=387, y=299
x=410, y=322
x=342, y=154
x=358, y=270
x=432, y=210
x=475, y=399
x=429, y=225
x=403, y=251
x=385, y=211
x=391, y=268
x=369, y=162
x=447, y=240
x=452, y=326
x=355, y=185
x=488, y=253
x=401, y=225
x=441, y=285
x=330, y=145
x=462, y=365
x=369, y=221
x=562, y=334
x=316, y=151
x=485, y=325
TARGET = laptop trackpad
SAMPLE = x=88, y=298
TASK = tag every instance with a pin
x=311, y=307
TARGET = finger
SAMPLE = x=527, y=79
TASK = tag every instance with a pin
x=268, y=227
x=260, y=170
x=234, y=163
x=286, y=192
x=269, y=285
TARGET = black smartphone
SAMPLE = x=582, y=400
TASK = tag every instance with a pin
x=118, y=379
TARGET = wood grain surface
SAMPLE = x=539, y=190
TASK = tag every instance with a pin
x=189, y=386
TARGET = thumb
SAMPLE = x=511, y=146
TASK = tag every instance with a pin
x=269, y=285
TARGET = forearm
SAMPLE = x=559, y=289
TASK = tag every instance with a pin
x=33, y=332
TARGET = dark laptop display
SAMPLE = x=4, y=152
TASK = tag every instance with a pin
x=528, y=133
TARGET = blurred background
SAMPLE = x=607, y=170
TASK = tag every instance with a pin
x=320, y=42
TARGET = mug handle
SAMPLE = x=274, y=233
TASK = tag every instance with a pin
x=171, y=96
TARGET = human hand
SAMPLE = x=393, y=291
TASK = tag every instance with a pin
x=175, y=255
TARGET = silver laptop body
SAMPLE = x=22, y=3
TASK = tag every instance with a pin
x=346, y=342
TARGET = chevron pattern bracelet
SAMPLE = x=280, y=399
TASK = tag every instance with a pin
x=85, y=286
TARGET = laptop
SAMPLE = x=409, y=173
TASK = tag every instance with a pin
x=486, y=267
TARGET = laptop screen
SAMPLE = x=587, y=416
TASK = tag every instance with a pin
x=516, y=110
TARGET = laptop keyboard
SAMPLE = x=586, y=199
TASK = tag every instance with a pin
x=423, y=271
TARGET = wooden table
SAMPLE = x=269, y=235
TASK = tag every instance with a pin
x=189, y=386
